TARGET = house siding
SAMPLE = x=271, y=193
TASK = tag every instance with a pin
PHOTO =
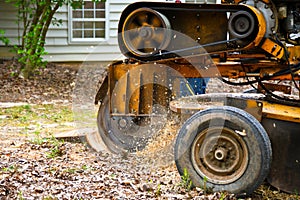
x=60, y=48
x=58, y=44
x=8, y=23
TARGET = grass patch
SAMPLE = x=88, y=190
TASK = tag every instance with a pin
x=55, y=146
x=56, y=150
x=186, y=181
x=34, y=118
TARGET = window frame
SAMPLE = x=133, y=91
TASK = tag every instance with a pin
x=73, y=40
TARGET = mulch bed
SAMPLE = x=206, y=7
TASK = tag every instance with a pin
x=27, y=171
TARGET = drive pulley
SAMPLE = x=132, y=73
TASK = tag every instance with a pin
x=241, y=24
x=145, y=32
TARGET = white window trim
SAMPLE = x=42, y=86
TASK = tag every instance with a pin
x=84, y=41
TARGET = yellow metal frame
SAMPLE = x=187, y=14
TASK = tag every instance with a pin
x=281, y=112
x=258, y=108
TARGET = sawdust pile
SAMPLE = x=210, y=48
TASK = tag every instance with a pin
x=160, y=149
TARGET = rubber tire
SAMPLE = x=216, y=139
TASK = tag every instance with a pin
x=257, y=141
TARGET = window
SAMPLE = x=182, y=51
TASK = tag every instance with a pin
x=87, y=24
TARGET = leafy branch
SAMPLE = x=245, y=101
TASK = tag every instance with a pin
x=4, y=39
x=35, y=17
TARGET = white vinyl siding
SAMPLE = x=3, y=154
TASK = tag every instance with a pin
x=67, y=48
x=8, y=22
x=63, y=47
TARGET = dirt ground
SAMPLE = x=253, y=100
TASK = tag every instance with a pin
x=54, y=169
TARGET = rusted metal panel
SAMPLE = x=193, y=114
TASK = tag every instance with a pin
x=136, y=88
x=286, y=89
x=285, y=169
x=102, y=92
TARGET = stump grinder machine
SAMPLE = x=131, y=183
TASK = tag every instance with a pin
x=228, y=141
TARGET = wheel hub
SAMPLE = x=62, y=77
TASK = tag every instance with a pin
x=242, y=24
x=123, y=123
x=145, y=32
x=220, y=155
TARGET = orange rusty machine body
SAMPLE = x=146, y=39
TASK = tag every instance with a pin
x=228, y=141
